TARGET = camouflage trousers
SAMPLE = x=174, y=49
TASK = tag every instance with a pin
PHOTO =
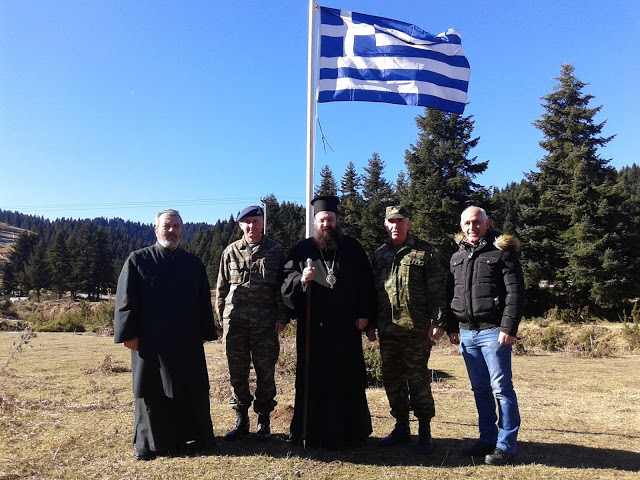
x=406, y=375
x=243, y=345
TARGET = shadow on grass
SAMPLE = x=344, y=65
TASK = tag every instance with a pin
x=446, y=454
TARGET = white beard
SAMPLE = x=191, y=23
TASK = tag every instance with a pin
x=170, y=244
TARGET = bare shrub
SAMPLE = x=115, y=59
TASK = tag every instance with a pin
x=107, y=367
x=592, y=342
x=25, y=338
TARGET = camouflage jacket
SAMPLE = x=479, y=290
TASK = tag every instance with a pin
x=248, y=287
x=410, y=287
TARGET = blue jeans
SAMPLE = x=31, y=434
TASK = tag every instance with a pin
x=489, y=368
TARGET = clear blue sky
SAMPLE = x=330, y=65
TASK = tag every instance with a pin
x=121, y=108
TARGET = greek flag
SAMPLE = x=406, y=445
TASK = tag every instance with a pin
x=374, y=59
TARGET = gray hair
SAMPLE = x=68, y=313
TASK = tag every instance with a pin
x=481, y=210
x=171, y=212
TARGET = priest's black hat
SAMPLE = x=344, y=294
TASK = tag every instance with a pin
x=325, y=203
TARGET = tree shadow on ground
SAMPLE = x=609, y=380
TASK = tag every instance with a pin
x=446, y=454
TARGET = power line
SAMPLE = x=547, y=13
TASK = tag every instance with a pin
x=142, y=204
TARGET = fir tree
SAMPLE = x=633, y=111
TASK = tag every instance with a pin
x=60, y=263
x=378, y=194
x=36, y=274
x=18, y=258
x=351, y=202
x=441, y=177
x=328, y=184
x=571, y=214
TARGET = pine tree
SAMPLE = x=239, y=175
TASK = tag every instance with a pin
x=572, y=214
x=18, y=257
x=9, y=280
x=378, y=194
x=328, y=184
x=103, y=272
x=506, y=206
x=351, y=202
x=402, y=189
x=441, y=177
x=37, y=274
x=60, y=263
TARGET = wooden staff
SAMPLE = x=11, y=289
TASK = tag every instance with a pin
x=306, y=362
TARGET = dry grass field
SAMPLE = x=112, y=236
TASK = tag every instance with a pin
x=66, y=411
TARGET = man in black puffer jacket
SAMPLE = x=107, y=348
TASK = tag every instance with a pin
x=486, y=294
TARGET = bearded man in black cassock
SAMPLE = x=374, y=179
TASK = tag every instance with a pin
x=340, y=282
x=164, y=315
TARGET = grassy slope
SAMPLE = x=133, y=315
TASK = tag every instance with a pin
x=62, y=416
x=8, y=234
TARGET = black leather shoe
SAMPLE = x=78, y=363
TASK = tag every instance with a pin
x=478, y=449
x=142, y=454
x=498, y=457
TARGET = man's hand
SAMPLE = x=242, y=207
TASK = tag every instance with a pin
x=307, y=275
x=361, y=323
x=454, y=338
x=280, y=326
x=132, y=344
x=435, y=332
x=506, y=339
x=371, y=334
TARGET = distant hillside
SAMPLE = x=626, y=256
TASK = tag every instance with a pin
x=121, y=237
x=8, y=235
x=124, y=236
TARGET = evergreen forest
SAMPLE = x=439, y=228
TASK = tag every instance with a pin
x=576, y=216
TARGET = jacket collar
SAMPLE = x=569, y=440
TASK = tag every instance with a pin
x=488, y=239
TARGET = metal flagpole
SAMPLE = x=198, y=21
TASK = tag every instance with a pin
x=311, y=113
x=311, y=152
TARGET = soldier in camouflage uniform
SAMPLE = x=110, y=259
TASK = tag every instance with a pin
x=249, y=304
x=411, y=299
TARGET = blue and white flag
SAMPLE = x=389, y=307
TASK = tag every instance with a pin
x=374, y=59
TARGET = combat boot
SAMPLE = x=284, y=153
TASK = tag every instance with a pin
x=425, y=444
x=263, y=433
x=401, y=433
x=241, y=428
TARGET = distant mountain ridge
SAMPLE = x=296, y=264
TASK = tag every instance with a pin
x=124, y=235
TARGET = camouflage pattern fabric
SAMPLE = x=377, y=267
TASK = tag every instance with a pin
x=406, y=375
x=411, y=297
x=410, y=287
x=244, y=344
x=249, y=302
x=248, y=287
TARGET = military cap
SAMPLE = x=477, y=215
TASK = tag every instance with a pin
x=325, y=203
x=252, y=211
x=396, y=211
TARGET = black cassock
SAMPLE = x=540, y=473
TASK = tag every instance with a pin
x=163, y=298
x=338, y=414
